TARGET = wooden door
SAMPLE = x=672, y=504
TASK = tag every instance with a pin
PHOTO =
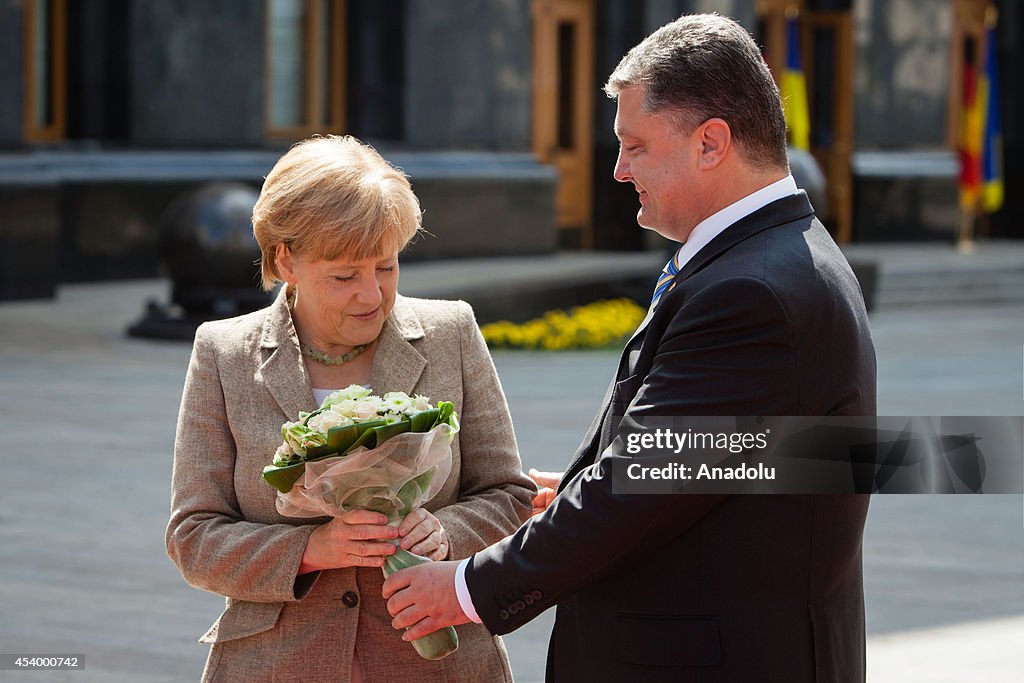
x=563, y=92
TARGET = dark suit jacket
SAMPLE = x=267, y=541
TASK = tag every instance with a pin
x=767, y=319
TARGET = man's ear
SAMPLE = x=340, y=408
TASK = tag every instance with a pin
x=716, y=141
x=285, y=263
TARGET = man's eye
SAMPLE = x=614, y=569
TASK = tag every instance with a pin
x=386, y=269
x=347, y=278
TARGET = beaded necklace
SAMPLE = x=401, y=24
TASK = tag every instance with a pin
x=321, y=357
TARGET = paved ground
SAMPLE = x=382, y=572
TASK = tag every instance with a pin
x=87, y=419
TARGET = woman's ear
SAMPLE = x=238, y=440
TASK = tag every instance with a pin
x=716, y=139
x=285, y=263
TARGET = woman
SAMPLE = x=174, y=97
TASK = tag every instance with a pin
x=304, y=600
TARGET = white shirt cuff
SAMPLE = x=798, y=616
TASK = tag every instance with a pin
x=462, y=592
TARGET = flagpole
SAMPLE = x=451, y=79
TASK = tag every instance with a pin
x=991, y=16
x=965, y=236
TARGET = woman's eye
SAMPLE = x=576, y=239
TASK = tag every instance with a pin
x=386, y=269
x=347, y=278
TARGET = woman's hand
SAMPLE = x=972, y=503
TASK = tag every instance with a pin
x=547, y=487
x=423, y=535
x=359, y=538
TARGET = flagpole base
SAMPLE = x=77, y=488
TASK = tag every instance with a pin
x=965, y=235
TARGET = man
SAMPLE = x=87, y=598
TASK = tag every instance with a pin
x=763, y=317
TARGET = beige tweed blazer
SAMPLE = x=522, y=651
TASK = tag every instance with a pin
x=245, y=378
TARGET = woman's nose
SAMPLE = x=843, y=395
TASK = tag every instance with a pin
x=370, y=292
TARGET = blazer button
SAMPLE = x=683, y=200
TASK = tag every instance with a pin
x=350, y=599
x=520, y=605
x=537, y=595
x=503, y=615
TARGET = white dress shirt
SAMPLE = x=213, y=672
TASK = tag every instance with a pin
x=707, y=230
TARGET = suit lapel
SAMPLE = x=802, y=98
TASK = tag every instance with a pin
x=624, y=370
x=283, y=372
x=781, y=211
x=397, y=365
x=643, y=324
x=785, y=210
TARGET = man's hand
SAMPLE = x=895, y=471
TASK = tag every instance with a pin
x=547, y=487
x=422, y=599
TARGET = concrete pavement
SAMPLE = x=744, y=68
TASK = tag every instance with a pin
x=87, y=419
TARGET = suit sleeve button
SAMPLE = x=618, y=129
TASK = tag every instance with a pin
x=528, y=598
x=520, y=605
x=537, y=595
x=503, y=615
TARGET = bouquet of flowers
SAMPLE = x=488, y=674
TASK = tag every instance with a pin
x=388, y=454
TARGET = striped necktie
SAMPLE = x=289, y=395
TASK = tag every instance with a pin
x=665, y=280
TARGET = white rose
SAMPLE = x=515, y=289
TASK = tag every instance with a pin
x=283, y=455
x=344, y=407
x=328, y=420
x=366, y=409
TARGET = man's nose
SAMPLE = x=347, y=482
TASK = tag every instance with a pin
x=621, y=172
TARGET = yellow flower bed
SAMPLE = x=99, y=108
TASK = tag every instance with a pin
x=596, y=325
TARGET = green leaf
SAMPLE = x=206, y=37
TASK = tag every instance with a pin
x=425, y=420
x=447, y=415
x=283, y=478
x=413, y=490
x=438, y=644
x=341, y=440
x=338, y=439
x=374, y=437
x=375, y=498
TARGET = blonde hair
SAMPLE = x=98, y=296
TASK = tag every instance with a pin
x=332, y=196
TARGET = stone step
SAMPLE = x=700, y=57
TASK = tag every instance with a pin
x=938, y=288
x=913, y=275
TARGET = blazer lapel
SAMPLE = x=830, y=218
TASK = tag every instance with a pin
x=785, y=210
x=623, y=370
x=397, y=365
x=778, y=212
x=283, y=372
x=643, y=324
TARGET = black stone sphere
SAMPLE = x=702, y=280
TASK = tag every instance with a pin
x=209, y=251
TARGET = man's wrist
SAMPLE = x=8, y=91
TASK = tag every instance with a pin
x=462, y=592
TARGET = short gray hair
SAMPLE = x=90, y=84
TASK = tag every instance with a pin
x=704, y=66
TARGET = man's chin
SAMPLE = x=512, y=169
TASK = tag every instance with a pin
x=646, y=223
